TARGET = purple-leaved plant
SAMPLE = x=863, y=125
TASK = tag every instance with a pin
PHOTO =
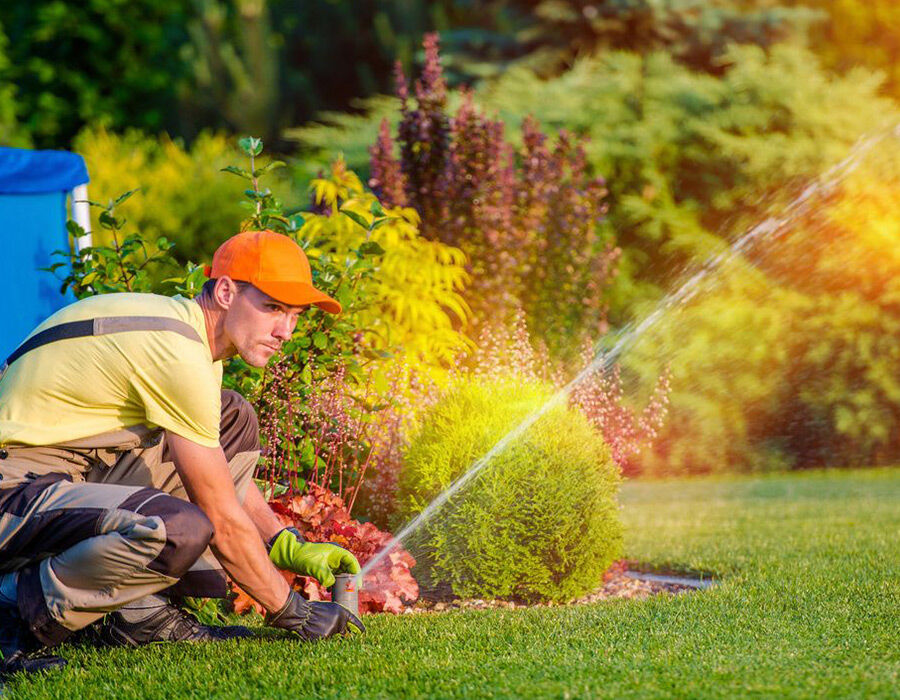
x=527, y=217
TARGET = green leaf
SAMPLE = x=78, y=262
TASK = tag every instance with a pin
x=240, y=172
x=75, y=228
x=126, y=195
x=271, y=166
x=326, y=361
x=53, y=268
x=251, y=145
x=353, y=216
x=371, y=248
x=320, y=340
x=107, y=220
x=344, y=296
x=377, y=209
x=308, y=452
x=306, y=374
x=382, y=222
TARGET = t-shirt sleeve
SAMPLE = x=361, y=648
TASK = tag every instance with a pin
x=183, y=397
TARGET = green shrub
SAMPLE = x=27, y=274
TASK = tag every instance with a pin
x=539, y=522
x=76, y=63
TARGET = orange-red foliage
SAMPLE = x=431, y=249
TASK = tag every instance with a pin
x=321, y=516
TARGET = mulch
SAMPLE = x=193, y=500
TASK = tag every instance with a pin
x=617, y=585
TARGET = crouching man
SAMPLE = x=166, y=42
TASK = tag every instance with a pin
x=126, y=471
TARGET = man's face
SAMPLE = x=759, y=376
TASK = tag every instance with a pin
x=257, y=325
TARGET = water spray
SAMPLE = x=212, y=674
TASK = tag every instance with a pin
x=770, y=227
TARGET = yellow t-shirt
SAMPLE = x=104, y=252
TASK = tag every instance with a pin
x=81, y=387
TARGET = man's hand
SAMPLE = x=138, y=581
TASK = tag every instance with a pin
x=313, y=620
x=321, y=560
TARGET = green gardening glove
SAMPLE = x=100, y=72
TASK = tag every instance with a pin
x=321, y=560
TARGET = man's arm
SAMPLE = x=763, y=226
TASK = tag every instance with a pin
x=236, y=542
x=266, y=522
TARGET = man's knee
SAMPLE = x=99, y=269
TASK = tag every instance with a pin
x=239, y=427
x=188, y=530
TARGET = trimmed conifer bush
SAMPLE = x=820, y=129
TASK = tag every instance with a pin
x=539, y=522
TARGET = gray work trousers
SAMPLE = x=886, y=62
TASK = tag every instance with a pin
x=93, y=525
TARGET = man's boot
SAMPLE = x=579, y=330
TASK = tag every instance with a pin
x=20, y=651
x=154, y=619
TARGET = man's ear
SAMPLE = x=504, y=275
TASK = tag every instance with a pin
x=225, y=292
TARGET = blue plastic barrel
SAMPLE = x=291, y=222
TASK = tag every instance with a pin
x=33, y=213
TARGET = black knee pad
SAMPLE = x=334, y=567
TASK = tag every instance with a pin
x=188, y=530
x=239, y=427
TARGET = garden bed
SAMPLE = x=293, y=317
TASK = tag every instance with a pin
x=624, y=580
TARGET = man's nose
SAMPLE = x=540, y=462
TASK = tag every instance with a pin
x=284, y=328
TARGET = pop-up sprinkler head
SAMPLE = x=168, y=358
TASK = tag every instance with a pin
x=345, y=591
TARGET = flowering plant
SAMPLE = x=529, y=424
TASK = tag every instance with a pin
x=600, y=395
x=627, y=432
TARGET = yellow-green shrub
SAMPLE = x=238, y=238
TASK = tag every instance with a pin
x=539, y=522
x=418, y=306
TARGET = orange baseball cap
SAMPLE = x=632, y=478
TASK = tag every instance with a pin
x=274, y=264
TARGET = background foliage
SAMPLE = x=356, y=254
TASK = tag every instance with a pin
x=184, y=66
x=598, y=153
x=788, y=362
x=95, y=62
x=184, y=196
x=527, y=218
x=692, y=159
x=688, y=158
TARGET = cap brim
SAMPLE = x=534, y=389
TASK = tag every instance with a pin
x=299, y=294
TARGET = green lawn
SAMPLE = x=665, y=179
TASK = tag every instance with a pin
x=808, y=606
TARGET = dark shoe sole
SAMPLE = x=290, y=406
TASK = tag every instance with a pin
x=24, y=666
